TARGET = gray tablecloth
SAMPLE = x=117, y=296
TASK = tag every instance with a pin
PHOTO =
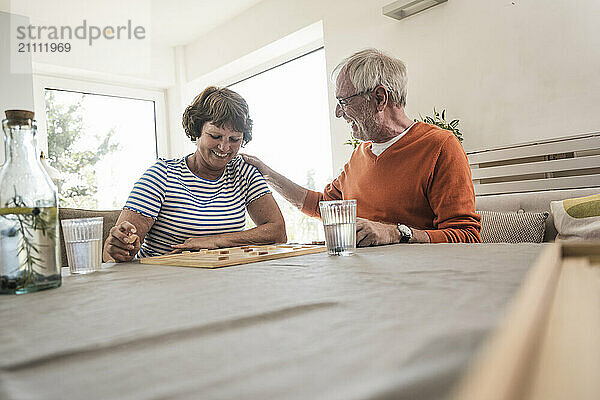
x=398, y=321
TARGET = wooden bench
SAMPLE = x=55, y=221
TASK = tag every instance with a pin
x=528, y=176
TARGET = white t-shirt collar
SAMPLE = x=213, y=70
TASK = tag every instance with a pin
x=378, y=148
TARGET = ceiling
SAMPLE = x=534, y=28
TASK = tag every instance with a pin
x=176, y=22
x=172, y=22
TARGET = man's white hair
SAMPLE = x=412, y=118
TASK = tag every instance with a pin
x=370, y=68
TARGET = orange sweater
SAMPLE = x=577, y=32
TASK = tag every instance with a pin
x=423, y=181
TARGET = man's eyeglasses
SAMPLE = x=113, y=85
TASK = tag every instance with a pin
x=343, y=102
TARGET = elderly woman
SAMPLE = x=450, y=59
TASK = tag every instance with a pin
x=200, y=201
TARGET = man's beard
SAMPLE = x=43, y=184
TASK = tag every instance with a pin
x=368, y=129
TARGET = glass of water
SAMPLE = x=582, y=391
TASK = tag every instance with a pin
x=83, y=242
x=339, y=222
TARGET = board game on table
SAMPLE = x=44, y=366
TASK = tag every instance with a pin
x=233, y=255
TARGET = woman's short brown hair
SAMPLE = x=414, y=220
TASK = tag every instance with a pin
x=220, y=106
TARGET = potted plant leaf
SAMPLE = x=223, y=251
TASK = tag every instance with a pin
x=439, y=119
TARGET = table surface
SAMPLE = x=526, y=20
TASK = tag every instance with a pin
x=399, y=321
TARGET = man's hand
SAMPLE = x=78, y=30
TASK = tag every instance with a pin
x=370, y=233
x=122, y=243
x=252, y=160
x=293, y=193
x=198, y=243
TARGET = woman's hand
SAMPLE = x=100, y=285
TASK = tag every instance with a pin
x=122, y=243
x=126, y=237
x=197, y=243
x=270, y=228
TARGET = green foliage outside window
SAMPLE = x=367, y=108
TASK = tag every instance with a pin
x=300, y=227
x=66, y=131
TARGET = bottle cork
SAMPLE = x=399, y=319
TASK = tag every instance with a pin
x=19, y=114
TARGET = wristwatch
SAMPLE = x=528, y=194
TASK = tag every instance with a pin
x=405, y=233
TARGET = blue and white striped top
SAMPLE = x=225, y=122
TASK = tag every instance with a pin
x=185, y=205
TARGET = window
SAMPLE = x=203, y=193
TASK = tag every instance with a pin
x=100, y=144
x=291, y=134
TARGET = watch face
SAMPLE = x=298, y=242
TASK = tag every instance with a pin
x=405, y=230
x=406, y=233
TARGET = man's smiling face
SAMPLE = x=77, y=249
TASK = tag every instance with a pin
x=356, y=111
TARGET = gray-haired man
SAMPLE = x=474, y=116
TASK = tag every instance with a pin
x=411, y=180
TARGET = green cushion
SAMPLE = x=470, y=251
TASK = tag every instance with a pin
x=583, y=207
x=577, y=218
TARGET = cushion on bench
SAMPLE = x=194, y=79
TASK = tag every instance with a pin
x=531, y=202
x=512, y=227
x=577, y=218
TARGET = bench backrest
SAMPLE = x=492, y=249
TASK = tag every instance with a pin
x=529, y=176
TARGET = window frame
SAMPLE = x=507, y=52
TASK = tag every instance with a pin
x=293, y=57
x=42, y=82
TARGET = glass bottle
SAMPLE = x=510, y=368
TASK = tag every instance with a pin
x=29, y=245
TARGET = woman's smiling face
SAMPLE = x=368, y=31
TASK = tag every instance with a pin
x=217, y=146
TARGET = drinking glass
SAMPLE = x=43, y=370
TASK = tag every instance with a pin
x=339, y=223
x=83, y=242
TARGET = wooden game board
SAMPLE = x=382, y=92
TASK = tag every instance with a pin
x=233, y=255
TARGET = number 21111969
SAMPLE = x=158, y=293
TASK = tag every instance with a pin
x=44, y=47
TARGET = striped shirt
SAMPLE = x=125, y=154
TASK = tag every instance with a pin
x=184, y=205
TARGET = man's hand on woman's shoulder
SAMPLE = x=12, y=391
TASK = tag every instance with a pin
x=253, y=160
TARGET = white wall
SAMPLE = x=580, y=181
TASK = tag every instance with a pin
x=134, y=65
x=16, y=83
x=510, y=73
x=145, y=61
